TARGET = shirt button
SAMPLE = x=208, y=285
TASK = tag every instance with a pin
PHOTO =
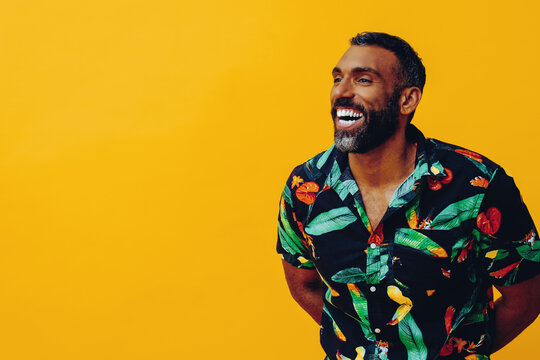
x=373, y=288
x=373, y=246
x=377, y=330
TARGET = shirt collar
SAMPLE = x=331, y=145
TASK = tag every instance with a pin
x=426, y=162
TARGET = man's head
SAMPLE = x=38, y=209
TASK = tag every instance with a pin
x=411, y=71
x=377, y=85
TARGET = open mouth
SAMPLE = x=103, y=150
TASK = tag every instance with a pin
x=347, y=116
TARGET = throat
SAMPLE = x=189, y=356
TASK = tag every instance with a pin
x=379, y=177
x=376, y=204
x=386, y=166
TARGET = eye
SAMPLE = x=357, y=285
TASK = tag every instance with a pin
x=336, y=80
x=364, y=81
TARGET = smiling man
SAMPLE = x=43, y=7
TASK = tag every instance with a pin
x=392, y=242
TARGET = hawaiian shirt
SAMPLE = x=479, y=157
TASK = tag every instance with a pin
x=419, y=286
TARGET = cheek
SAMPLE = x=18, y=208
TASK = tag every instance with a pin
x=376, y=99
x=333, y=95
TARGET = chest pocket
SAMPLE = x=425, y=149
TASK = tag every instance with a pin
x=422, y=257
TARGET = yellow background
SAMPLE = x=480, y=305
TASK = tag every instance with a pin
x=144, y=146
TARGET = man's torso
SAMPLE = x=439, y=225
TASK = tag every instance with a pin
x=419, y=284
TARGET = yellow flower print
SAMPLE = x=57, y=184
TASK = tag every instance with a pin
x=296, y=180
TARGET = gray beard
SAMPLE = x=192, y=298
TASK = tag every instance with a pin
x=378, y=127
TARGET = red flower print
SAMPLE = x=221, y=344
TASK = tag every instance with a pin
x=306, y=192
x=450, y=311
x=462, y=256
x=470, y=154
x=490, y=297
x=480, y=181
x=434, y=183
x=447, y=348
x=490, y=221
x=449, y=176
x=460, y=344
x=446, y=273
x=377, y=237
x=501, y=273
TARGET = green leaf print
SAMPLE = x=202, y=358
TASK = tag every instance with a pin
x=530, y=249
x=324, y=157
x=456, y=213
x=400, y=284
x=361, y=308
x=344, y=188
x=377, y=267
x=458, y=247
x=530, y=254
x=412, y=214
x=413, y=239
x=484, y=241
x=465, y=310
x=483, y=168
x=335, y=219
x=335, y=326
x=351, y=275
x=289, y=243
x=334, y=175
x=473, y=318
x=411, y=336
x=287, y=195
x=328, y=296
x=289, y=240
x=363, y=215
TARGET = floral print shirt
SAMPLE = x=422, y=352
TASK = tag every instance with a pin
x=419, y=286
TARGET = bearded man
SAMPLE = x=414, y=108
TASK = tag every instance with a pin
x=393, y=242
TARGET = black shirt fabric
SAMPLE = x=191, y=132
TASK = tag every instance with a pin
x=419, y=286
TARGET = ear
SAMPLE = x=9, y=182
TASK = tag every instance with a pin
x=410, y=97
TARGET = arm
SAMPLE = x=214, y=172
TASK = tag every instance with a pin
x=306, y=288
x=516, y=309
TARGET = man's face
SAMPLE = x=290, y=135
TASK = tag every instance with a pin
x=365, y=98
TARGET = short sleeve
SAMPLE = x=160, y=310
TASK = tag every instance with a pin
x=293, y=243
x=508, y=237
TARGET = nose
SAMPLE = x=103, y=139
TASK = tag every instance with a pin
x=343, y=89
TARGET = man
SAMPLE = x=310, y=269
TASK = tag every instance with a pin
x=391, y=241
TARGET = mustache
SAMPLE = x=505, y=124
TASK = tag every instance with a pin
x=348, y=103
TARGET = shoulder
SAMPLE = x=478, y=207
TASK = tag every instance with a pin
x=309, y=178
x=462, y=161
x=315, y=169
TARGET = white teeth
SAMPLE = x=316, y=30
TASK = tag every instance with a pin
x=346, y=122
x=348, y=112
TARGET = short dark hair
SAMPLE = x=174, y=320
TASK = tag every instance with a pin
x=412, y=72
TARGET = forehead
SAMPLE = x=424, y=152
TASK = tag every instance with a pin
x=377, y=58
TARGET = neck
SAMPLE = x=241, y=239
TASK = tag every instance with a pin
x=386, y=165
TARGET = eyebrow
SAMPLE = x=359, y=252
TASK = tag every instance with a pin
x=359, y=69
